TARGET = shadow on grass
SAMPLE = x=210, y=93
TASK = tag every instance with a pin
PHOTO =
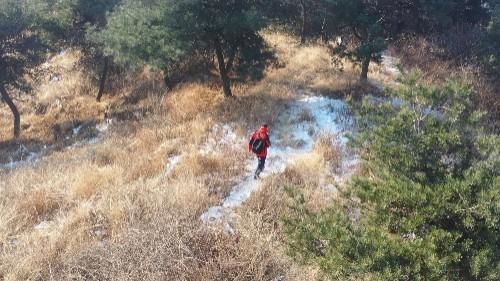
x=356, y=90
x=143, y=90
x=250, y=111
x=15, y=153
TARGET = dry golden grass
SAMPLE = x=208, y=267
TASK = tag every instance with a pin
x=92, y=180
x=331, y=152
x=62, y=94
x=192, y=100
x=305, y=116
x=111, y=210
x=107, y=155
x=37, y=205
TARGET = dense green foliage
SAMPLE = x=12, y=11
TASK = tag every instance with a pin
x=360, y=19
x=224, y=35
x=16, y=47
x=429, y=201
x=148, y=39
x=94, y=12
x=432, y=16
x=163, y=32
x=89, y=17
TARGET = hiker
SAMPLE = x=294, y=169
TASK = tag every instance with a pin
x=259, y=142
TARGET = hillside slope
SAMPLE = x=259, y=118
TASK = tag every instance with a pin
x=160, y=189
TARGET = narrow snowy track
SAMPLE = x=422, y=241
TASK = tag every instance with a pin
x=306, y=119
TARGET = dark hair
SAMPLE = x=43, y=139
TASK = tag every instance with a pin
x=264, y=125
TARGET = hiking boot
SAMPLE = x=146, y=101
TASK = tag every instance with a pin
x=257, y=174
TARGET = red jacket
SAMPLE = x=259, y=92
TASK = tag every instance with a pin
x=263, y=134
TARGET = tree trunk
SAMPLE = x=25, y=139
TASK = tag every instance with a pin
x=364, y=68
x=13, y=108
x=324, y=33
x=102, y=80
x=226, y=83
x=304, y=22
x=166, y=79
x=230, y=60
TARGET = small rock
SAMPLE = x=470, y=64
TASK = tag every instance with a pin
x=55, y=78
x=331, y=188
x=44, y=225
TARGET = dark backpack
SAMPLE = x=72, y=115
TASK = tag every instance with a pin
x=258, y=145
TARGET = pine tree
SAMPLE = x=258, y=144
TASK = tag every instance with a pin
x=162, y=32
x=90, y=17
x=23, y=31
x=362, y=21
x=429, y=199
x=307, y=18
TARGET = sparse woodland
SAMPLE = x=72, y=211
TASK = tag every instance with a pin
x=124, y=127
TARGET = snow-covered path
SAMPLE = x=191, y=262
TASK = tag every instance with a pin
x=306, y=119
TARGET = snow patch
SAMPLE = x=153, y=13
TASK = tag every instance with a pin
x=30, y=158
x=398, y=103
x=100, y=130
x=240, y=193
x=102, y=127
x=172, y=162
x=330, y=117
x=25, y=156
x=305, y=120
x=221, y=137
x=390, y=64
x=77, y=130
x=220, y=214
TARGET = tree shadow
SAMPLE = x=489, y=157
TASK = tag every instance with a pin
x=253, y=60
x=355, y=90
x=249, y=65
x=17, y=150
x=249, y=111
x=26, y=151
x=144, y=89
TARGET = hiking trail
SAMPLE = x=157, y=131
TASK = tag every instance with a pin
x=306, y=119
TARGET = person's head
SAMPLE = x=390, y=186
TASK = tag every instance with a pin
x=263, y=128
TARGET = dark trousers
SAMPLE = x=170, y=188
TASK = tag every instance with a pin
x=260, y=167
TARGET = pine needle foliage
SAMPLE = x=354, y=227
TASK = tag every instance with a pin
x=160, y=33
x=429, y=199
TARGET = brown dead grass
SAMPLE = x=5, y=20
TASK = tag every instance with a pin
x=110, y=211
x=331, y=152
x=38, y=204
x=305, y=116
x=192, y=100
x=194, y=253
x=92, y=180
x=108, y=155
x=62, y=94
